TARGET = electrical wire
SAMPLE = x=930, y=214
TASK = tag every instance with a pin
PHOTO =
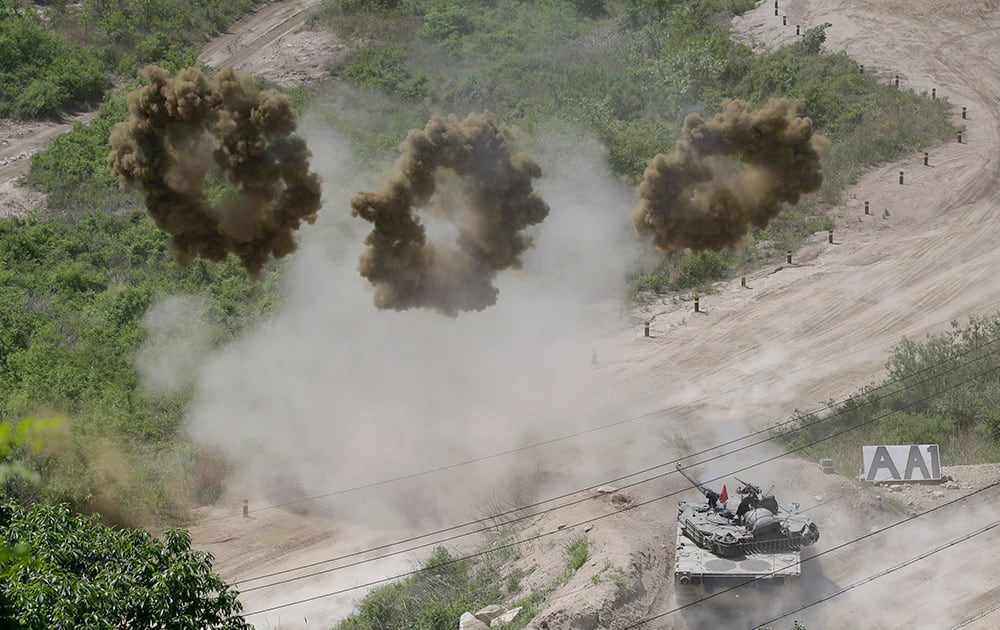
x=847, y=543
x=589, y=520
x=984, y=614
x=560, y=438
x=634, y=474
x=562, y=506
x=885, y=572
x=494, y=518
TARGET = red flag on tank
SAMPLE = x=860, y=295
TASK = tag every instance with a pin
x=724, y=496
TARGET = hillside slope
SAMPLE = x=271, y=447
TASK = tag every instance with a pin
x=800, y=334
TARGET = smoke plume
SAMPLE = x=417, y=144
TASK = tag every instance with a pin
x=408, y=270
x=728, y=174
x=180, y=128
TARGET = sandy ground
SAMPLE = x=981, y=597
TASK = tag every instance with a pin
x=799, y=335
x=273, y=42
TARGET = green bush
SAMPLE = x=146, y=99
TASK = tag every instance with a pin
x=432, y=599
x=77, y=573
x=72, y=302
x=943, y=390
x=128, y=34
x=577, y=552
x=914, y=428
x=40, y=74
x=384, y=68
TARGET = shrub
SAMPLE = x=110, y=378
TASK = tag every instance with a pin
x=42, y=75
x=577, y=552
x=78, y=573
x=914, y=428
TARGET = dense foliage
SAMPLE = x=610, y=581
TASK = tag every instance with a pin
x=41, y=74
x=74, y=170
x=72, y=300
x=945, y=390
x=73, y=572
x=444, y=587
x=60, y=57
x=128, y=34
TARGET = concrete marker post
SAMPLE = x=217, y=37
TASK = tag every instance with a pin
x=743, y=281
x=897, y=80
x=933, y=92
x=925, y=158
x=796, y=29
x=963, y=113
x=784, y=20
x=246, y=508
x=960, y=137
x=830, y=236
x=647, y=329
x=866, y=208
x=788, y=256
x=900, y=177
x=697, y=305
x=862, y=69
x=776, y=10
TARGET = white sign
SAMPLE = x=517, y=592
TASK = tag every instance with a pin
x=913, y=462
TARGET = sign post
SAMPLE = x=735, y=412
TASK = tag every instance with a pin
x=901, y=463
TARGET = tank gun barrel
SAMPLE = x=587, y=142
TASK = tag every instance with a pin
x=694, y=483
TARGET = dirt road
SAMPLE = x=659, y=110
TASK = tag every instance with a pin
x=269, y=42
x=814, y=330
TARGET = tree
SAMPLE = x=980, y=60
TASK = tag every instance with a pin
x=78, y=573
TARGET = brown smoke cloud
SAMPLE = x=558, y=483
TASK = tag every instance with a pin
x=407, y=270
x=728, y=174
x=180, y=128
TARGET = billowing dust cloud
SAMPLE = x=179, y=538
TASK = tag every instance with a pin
x=183, y=127
x=728, y=174
x=410, y=271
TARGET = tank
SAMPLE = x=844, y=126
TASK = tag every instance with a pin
x=756, y=546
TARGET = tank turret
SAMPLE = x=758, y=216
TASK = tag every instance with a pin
x=758, y=522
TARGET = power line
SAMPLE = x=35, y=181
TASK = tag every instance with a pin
x=514, y=520
x=560, y=438
x=885, y=572
x=985, y=613
x=765, y=576
x=538, y=536
x=534, y=514
x=617, y=479
x=589, y=520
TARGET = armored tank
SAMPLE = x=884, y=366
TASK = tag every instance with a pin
x=757, y=545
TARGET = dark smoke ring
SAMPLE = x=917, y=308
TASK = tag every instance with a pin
x=727, y=174
x=182, y=127
x=407, y=270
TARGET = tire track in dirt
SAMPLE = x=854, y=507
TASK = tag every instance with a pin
x=930, y=261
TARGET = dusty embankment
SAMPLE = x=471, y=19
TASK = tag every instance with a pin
x=801, y=334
